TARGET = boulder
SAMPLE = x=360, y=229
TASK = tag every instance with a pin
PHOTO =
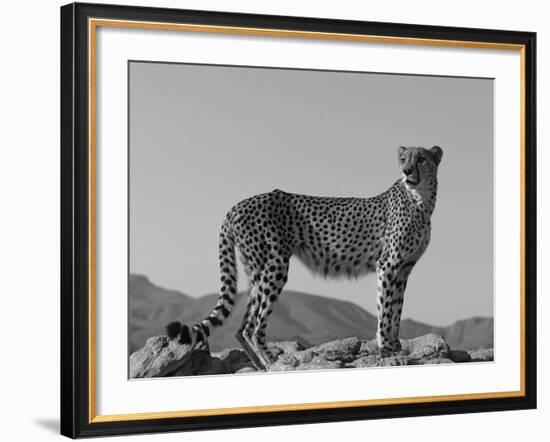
x=234, y=358
x=430, y=346
x=320, y=363
x=339, y=349
x=376, y=360
x=159, y=357
x=246, y=370
x=459, y=356
x=202, y=363
x=482, y=355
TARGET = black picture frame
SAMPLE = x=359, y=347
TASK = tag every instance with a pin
x=75, y=220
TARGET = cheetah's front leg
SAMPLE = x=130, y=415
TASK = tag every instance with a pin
x=392, y=281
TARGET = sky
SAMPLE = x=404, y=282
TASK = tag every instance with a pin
x=204, y=137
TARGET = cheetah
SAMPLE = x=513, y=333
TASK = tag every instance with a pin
x=333, y=236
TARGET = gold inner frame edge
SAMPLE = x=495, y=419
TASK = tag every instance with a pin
x=93, y=24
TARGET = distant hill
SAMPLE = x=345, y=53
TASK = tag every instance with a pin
x=309, y=319
x=149, y=306
x=465, y=334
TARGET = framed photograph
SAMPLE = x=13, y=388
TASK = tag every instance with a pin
x=273, y=220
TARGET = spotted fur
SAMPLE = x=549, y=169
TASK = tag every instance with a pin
x=335, y=237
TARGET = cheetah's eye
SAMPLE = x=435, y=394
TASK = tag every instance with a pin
x=421, y=160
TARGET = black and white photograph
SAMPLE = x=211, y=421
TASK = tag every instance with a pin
x=283, y=220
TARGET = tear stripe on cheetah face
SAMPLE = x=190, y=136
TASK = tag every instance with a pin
x=334, y=237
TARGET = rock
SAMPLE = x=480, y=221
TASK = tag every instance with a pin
x=288, y=360
x=160, y=357
x=277, y=348
x=365, y=361
x=202, y=363
x=368, y=347
x=304, y=356
x=430, y=346
x=234, y=358
x=482, y=355
x=281, y=366
x=320, y=364
x=459, y=356
x=379, y=361
x=428, y=361
x=338, y=349
x=441, y=361
x=246, y=370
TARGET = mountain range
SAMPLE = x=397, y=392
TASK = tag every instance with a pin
x=308, y=319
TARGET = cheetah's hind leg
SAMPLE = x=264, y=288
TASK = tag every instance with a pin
x=270, y=286
x=247, y=324
x=244, y=341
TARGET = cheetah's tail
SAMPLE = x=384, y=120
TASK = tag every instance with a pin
x=200, y=332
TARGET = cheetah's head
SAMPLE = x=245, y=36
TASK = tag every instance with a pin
x=419, y=165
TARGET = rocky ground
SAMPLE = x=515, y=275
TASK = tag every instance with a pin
x=161, y=357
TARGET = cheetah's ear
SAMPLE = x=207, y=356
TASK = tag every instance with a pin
x=400, y=151
x=437, y=153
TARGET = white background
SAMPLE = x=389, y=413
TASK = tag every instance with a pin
x=30, y=222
